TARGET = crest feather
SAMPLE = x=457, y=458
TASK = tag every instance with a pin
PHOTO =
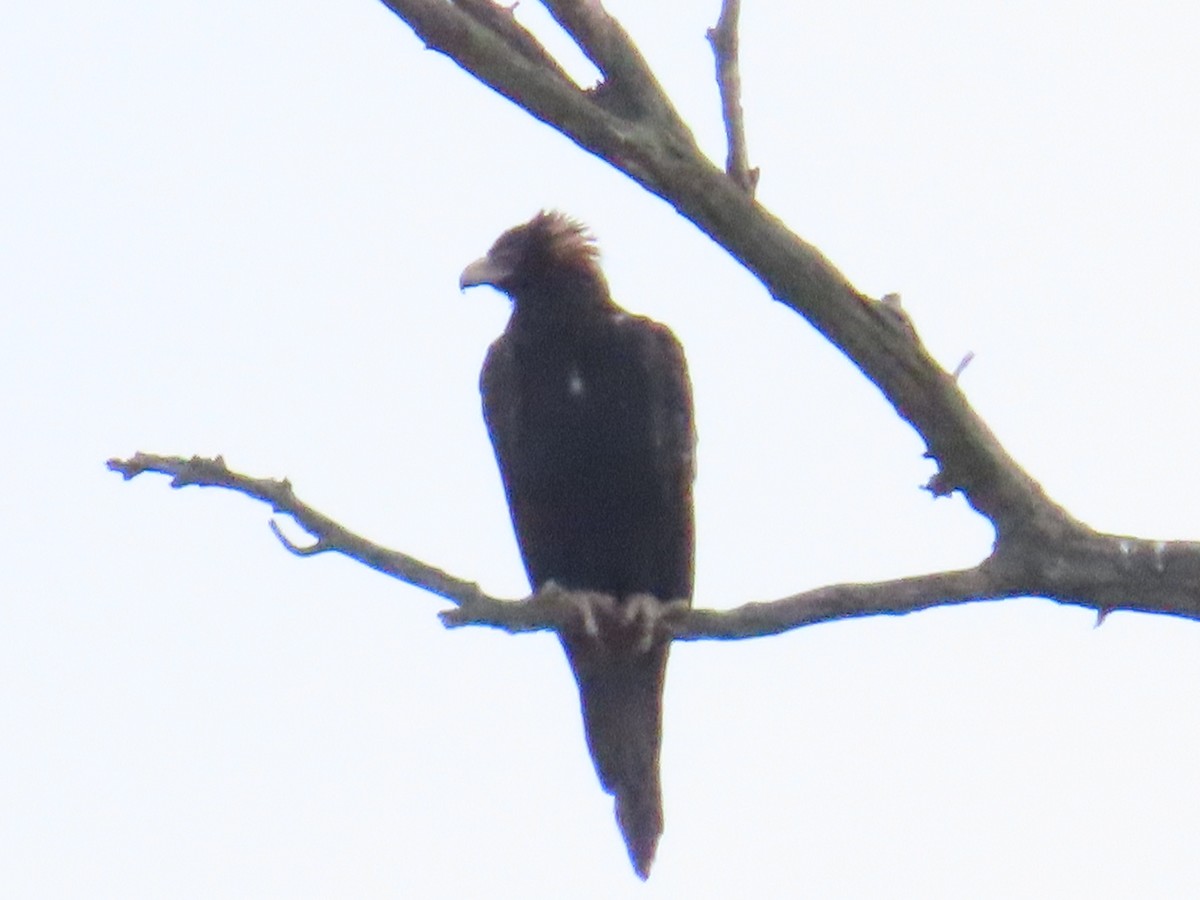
x=566, y=241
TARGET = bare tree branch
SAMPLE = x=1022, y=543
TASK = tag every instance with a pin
x=724, y=40
x=330, y=536
x=1040, y=549
x=1103, y=572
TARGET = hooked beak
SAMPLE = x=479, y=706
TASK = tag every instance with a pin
x=482, y=271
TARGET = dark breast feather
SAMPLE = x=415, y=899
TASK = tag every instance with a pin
x=598, y=482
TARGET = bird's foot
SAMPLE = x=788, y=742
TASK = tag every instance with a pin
x=643, y=614
x=592, y=610
x=583, y=612
x=638, y=622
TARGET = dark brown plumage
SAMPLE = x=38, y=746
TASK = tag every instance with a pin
x=589, y=409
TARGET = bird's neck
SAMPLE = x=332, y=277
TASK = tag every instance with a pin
x=565, y=303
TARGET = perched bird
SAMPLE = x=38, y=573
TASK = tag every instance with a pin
x=589, y=409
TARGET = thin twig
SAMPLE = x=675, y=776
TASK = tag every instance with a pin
x=724, y=40
x=962, y=364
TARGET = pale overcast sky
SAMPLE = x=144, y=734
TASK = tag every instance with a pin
x=237, y=228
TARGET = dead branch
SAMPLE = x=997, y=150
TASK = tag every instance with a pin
x=1102, y=572
x=329, y=535
x=724, y=40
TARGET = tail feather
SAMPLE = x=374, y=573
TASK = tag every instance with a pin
x=620, y=692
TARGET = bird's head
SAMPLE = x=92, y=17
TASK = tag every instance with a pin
x=545, y=256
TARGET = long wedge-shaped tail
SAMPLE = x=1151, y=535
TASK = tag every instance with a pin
x=620, y=692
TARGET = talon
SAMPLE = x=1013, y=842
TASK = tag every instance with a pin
x=644, y=610
x=587, y=611
x=588, y=607
x=632, y=610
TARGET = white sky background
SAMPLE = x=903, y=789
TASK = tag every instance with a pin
x=237, y=228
